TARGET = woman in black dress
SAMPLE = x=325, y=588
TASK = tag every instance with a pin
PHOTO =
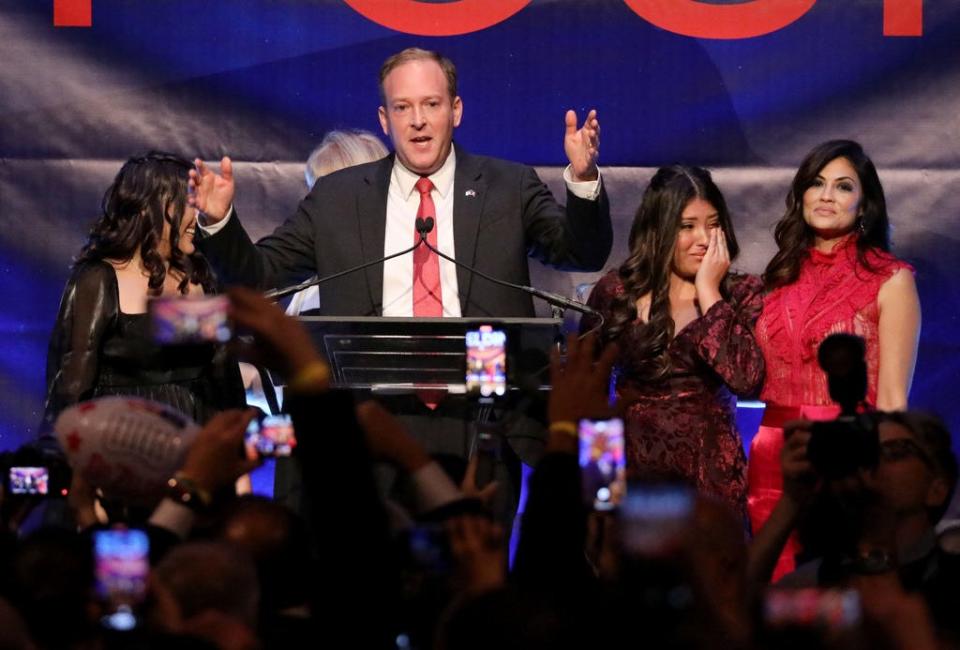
x=141, y=247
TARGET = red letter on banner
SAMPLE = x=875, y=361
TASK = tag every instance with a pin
x=700, y=20
x=442, y=19
x=72, y=13
x=903, y=18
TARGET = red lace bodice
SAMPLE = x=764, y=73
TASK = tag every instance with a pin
x=834, y=293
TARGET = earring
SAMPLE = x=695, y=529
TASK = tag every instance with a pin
x=861, y=226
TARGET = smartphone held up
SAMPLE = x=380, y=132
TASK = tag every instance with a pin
x=190, y=321
x=486, y=350
x=602, y=462
x=27, y=475
x=121, y=564
x=271, y=436
x=29, y=480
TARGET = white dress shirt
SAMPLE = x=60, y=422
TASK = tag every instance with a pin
x=403, y=201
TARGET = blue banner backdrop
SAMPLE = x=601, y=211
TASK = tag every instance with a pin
x=746, y=92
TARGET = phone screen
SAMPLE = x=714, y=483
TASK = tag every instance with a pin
x=190, y=321
x=829, y=608
x=429, y=547
x=29, y=480
x=602, y=463
x=271, y=435
x=486, y=361
x=653, y=518
x=122, y=564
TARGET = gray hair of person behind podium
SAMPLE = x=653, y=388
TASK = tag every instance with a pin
x=338, y=150
x=341, y=149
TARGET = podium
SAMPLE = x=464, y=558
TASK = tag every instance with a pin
x=404, y=355
x=397, y=359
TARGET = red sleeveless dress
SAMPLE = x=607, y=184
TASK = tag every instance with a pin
x=834, y=293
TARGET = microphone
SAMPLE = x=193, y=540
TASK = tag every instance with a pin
x=424, y=226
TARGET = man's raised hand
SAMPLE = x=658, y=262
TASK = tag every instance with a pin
x=582, y=146
x=209, y=192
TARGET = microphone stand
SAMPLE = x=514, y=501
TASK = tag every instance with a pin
x=557, y=302
x=423, y=226
x=276, y=294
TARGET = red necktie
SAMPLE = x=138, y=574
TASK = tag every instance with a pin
x=427, y=300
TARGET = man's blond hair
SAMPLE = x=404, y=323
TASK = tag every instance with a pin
x=419, y=54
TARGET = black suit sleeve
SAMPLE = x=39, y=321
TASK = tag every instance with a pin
x=284, y=257
x=577, y=238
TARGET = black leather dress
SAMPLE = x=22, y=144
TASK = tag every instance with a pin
x=96, y=350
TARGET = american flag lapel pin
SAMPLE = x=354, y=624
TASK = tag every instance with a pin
x=470, y=193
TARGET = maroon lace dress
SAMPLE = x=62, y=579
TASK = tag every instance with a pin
x=833, y=293
x=683, y=427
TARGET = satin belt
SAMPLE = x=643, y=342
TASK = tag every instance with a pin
x=776, y=415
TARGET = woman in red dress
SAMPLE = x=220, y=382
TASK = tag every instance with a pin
x=832, y=273
x=683, y=324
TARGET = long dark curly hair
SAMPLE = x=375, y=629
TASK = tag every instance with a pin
x=795, y=238
x=653, y=240
x=148, y=191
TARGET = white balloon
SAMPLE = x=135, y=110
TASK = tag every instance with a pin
x=126, y=446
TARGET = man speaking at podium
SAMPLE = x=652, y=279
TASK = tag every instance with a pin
x=489, y=214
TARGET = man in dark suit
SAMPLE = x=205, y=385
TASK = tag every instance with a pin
x=489, y=213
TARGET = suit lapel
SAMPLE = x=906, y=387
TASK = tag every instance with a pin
x=372, y=219
x=469, y=195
